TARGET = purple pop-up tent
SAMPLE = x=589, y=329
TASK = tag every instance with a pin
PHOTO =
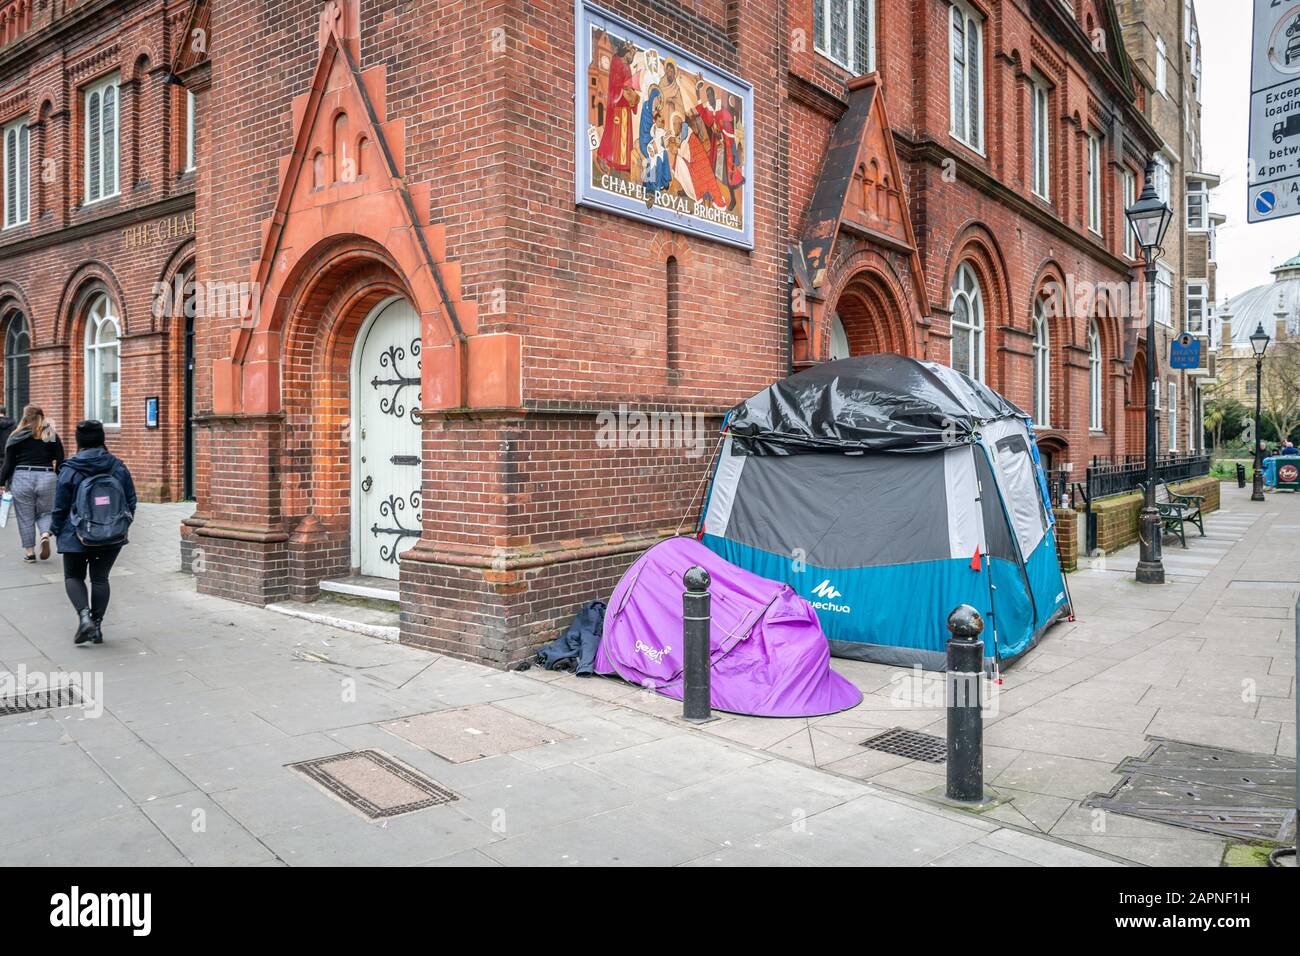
x=769, y=654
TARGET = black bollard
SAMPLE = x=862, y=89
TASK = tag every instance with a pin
x=1241, y=475
x=697, y=705
x=965, y=717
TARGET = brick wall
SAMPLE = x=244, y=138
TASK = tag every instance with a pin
x=122, y=246
x=1117, y=517
x=531, y=510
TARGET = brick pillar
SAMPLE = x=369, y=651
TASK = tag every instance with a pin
x=1067, y=538
x=240, y=551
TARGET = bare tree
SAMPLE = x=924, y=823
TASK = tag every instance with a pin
x=1281, y=387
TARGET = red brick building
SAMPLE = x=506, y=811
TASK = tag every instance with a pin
x=98, y=216
x=420, y=382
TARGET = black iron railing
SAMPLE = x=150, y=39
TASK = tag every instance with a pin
x=1109, y=477
x=1116, y=476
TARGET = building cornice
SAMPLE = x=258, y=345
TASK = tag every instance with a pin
x=181, y=202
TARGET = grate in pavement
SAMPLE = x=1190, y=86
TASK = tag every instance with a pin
x=1226, y=792
x=911, y=744
x=374, y=783
x=66, y=696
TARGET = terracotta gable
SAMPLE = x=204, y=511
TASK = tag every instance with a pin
x=861, y=187
x=344, y=178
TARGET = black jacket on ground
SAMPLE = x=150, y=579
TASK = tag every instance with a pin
x=87, y=462
x=31, y=451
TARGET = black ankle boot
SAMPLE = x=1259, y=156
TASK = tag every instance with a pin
x=99, y=630
x=86, y=630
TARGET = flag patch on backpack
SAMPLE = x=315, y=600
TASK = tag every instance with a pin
x=100, y=515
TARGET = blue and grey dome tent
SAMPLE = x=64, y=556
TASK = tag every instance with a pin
x=887, y=491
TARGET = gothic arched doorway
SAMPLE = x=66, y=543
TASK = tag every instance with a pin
x=867, y=319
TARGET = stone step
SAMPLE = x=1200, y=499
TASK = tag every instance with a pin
x=357, y=615
x=382, y=592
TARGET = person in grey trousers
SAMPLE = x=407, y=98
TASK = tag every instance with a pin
x=32, y=456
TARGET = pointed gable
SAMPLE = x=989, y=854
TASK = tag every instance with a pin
x=861, y=188
x=344, y=178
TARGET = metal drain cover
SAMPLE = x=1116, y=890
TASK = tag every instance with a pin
x=470, y=733
x=911, y=744
x=64, y=696
x=1226, y=792
x=374, y=783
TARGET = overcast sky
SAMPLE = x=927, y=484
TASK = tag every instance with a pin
x=1246, y=252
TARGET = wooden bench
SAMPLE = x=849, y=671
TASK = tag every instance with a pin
x=1178, y=510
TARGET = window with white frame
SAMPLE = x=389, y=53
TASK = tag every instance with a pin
x=100, y=108
x=1130, y=197
x=1094, y=378
x=103, y=387
x=1164, y=296
x=1198, y=204
x=17, y=173
x=1042, y=367
x=1040, y=134
x=1163, y=184
x=844, y=32
x=1095, y=169
x=1198, y=294
x=1214, y=241
x=1162, y=66
x=967, y=323
x=966, y=87
x=190, y=140
x=1173, y=416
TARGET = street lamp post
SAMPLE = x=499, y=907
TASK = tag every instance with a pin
x=1259, y=340
x=1150, y=217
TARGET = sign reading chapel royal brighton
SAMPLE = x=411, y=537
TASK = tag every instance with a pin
x=661, y=136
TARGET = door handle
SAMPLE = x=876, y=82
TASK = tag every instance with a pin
x=366, y=483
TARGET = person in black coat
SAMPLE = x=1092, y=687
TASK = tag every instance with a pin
x=7, y=425
x=91, y=459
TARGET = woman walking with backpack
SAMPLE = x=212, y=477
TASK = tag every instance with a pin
x=32, y=454
x=94, y=504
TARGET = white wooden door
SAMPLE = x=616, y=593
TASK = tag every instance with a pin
x=386, y=398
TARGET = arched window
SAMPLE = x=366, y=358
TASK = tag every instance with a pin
x=18, y=342
x=1094, y=378
x=1042, y=368
x=839, y=339
x=103, y=388
x=967, y=323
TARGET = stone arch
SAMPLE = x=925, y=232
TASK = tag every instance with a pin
x=976, y=245
x=1050, y=288
x=340, y=285
x=14, y=299
x=89, y=278
x=1135, y=404
x=180, y=263
x=873, y=306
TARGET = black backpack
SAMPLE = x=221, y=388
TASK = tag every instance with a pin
x=100, y=515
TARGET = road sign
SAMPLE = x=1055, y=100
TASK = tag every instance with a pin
x=1185, y=352
x=1274, y=188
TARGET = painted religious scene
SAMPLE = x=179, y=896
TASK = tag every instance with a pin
x=662, y=136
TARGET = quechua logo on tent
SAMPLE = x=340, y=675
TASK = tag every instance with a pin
x=828, y=593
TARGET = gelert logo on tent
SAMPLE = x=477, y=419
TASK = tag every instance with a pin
x=826, y=591
x=133, y=910
x=654, y=653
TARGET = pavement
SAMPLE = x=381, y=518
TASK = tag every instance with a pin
x=204, y=712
